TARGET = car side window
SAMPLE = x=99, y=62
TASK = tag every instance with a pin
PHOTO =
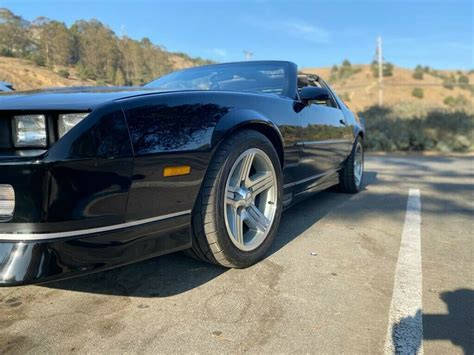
x=305, y=80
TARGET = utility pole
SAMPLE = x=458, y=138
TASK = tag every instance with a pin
x=380, y=62
x=248, y=55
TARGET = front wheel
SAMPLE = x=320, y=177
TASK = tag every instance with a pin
x=351, y=175
x=238, y=210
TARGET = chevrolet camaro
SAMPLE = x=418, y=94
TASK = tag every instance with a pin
x=203, y=160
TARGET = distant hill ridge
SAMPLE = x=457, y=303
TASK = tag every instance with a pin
x=46, y=53
x=410, y=88
x=88, y=51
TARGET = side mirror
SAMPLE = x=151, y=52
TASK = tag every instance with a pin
x=311, y=93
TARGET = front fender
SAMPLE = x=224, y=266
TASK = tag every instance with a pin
x=241, y=118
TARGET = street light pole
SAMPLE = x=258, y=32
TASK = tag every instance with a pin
x=380, y=62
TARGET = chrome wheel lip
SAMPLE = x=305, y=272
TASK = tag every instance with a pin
x=250, y=201
x=358, y=164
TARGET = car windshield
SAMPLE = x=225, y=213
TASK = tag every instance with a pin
x=267, y=78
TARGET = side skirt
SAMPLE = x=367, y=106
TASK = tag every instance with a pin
x=322, y=183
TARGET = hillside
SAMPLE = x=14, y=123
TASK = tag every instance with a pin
x=86, y=52
x=360, y=90
x=25, y=75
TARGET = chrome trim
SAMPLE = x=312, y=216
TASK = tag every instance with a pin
x=44, y=236
x=328, y=141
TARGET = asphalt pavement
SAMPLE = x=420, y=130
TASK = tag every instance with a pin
x=339, y=279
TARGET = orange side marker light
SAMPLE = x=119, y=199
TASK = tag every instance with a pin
x=176, y=170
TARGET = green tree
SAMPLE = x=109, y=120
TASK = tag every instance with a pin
x=14, y=35
x=90, y=46
x=97, y=51
x=53, y=41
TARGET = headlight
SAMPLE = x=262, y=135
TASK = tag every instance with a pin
x=7, y=202
x=68, y=121
x=30, y=131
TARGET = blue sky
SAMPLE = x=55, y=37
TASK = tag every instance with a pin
x=310, y=33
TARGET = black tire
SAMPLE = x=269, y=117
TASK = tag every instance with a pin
x=210, y=239
x=347, y=176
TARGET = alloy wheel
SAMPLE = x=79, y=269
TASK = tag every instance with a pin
x=358, y=164
x=250, y=204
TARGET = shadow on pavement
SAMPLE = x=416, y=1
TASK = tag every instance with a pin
x=457, y=326
x=176, y=273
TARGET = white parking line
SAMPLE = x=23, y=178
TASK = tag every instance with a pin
x=405, y=324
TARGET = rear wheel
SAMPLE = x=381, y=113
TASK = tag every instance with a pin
x=350, y=177
x=239, y=207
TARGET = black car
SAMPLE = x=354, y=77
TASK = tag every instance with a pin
x=203, y=160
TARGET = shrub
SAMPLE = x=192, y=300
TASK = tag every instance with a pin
x=387, y=69
x=436, y=130
x=449, y=101
x=418, y=73
x=6, y=52
x=38, y=60
x=448, y=83
x=63, y=73
x=85, y=73
x=463, y=81
x=346, y=63
x=346, y=97
x=418, y=93
x=344, y=71
x=459, y=101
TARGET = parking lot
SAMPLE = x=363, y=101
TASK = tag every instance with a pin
x=338, y=279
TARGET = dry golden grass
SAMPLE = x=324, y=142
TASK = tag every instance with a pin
x=179, y=62
x=362, y=88
x=27, y=76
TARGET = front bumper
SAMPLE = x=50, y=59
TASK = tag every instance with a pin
x=41, y=258
x=69, y=220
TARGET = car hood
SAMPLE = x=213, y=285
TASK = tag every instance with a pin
x=73, y=98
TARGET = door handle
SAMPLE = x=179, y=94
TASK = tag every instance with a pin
x=343, y=122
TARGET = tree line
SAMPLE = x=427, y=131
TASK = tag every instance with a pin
x=90, y=46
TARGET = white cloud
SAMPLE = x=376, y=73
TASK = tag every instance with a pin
x=296, y=28
x=303, y=30
x=220, y=52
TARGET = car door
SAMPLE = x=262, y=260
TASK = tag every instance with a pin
x=326, y=137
